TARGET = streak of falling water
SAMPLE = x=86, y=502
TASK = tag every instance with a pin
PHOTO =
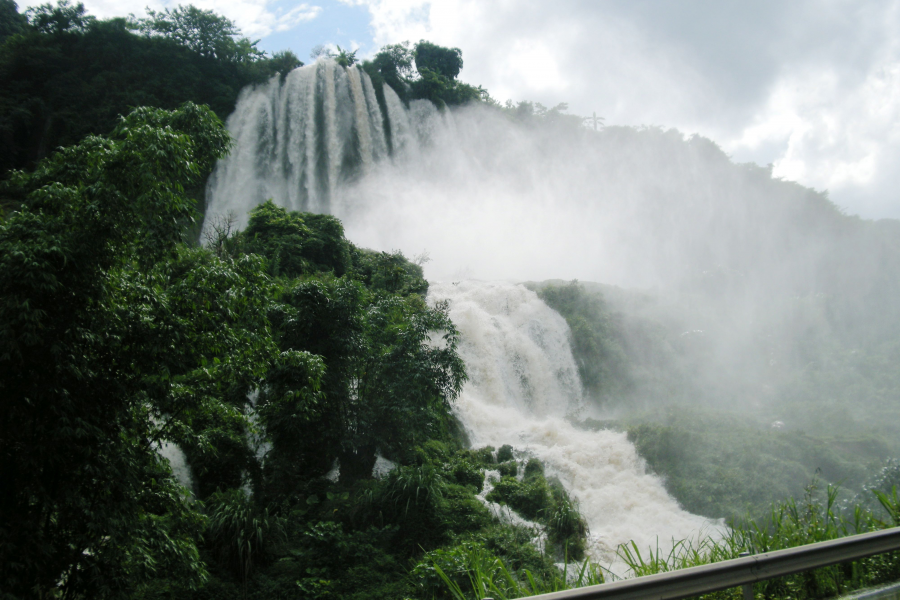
x=178, y=463
x=361, y=112
x=333, y=142
x=401, y=129
x=376, y=121
x=310, y=137
x=523, y=383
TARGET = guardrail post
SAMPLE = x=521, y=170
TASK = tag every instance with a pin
x=747, y=588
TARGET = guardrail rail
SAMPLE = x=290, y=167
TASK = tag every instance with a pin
x=737, y=572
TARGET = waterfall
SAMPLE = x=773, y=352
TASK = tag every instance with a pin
x=404, y=143
x=361, y=113
x=523, y=384
x=484, y=193
x=298, y=140
x=178, y=463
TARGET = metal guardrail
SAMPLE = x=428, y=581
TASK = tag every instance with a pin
x=891, y=592
x=704, y=579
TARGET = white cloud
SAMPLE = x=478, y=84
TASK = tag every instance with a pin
x=835, y=136
x=535, y=64
x=812, y=87
x=299, y=14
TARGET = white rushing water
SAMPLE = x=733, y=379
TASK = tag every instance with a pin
x=178, y=463
x=523, y=383
x=298, y=139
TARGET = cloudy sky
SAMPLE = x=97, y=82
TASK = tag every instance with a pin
x=812, y=87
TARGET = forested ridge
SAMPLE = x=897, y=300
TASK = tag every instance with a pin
x=267, y=413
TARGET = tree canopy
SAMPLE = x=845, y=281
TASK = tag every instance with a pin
x=434, y=76
x=67, y=74
x=11, y=22
x=203, y=31
x=115, y=339
x=447, y=62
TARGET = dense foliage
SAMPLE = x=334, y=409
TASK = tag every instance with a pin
x=103, y=357
x=434, y=77
x=67, y=74
x=265, y=361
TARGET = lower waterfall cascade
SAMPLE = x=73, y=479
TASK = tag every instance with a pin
x=523, y=383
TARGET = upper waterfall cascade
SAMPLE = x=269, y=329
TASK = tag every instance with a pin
x=297, y=140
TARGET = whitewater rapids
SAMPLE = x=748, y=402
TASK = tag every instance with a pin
x=523, y=383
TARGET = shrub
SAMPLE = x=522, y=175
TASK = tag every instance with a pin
x=462, y=472
x=530, y=497
x=568, y=529
x=481, y=456
x=239, y=532
x=508, y=469
x=534, y=468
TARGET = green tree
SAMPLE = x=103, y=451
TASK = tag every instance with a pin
x=11, y=22
x=296, y=244
x=112, y=341
x=323, y=316
x=203, y=31
x=345, y=58
x=386, y=384
x=441, y=90
x=59, y=87
x=62, y=18
x=404, y=379
x=438, y=68
x=284, y=62
x=395, y=64
x=447, y=62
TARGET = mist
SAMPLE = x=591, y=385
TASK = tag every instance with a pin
x=720, y=287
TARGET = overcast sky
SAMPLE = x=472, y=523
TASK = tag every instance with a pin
x=812, y=87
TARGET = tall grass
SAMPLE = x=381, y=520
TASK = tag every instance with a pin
x=488, y=577
x=238, y=531
x=790, y=523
